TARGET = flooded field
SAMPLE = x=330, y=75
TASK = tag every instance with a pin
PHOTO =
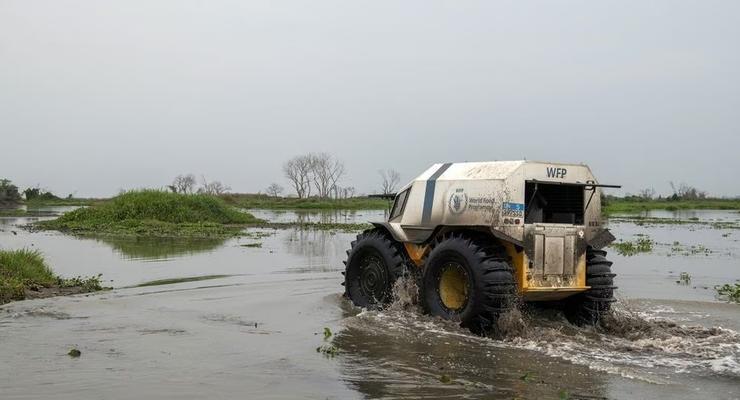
x=251, y=328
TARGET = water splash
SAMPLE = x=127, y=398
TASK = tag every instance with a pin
x=632, y=343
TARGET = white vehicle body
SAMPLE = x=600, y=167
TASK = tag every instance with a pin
x=546, y=214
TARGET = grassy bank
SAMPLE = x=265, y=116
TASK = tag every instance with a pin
x=155, y=213
x=616, y=205
x=24, y=274
x=291, y=203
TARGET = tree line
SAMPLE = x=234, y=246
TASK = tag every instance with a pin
x=11, y=194
x=681, y=191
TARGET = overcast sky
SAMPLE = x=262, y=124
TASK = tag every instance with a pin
x=98, y=96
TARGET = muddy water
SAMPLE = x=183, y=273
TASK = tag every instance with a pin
x=254, y=333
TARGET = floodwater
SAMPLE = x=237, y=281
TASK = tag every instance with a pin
x=254, y=331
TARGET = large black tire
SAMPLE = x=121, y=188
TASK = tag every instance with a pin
x=374, y=263
x=489, y=287
x=588, y=307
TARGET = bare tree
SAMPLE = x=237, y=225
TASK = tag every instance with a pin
x=298, y=171
x=274, y=190
x=183, y=184
x=391, y=179
x=326, y=173
x=647, y=194
x=686, y=192
x=213, y=187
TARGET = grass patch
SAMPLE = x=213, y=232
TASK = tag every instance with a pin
x=23, y=270
x=641, y=245
x=729, y=292
x=313, y=203
x=616, y=205
x=155, y=213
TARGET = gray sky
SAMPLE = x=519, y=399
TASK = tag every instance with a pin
x=97, y=96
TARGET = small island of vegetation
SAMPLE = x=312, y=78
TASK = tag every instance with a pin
x=155, y=213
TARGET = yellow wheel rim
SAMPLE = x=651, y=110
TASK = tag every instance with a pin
x=453, y=287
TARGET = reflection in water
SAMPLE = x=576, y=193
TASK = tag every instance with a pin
x=155, y=249
x=321, y=216
x=320, y=249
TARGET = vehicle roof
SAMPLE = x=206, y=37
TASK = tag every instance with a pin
x=480, y=170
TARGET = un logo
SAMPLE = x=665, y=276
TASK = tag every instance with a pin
x=458, y=201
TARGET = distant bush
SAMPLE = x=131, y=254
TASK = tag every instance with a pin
x=8, y=192
x=39, y=194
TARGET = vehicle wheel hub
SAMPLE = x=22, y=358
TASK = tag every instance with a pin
x=373, y=279
x=453, y=287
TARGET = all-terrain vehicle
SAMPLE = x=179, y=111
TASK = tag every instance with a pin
x=479, y=237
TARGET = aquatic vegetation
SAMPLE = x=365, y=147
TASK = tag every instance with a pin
x=74, y=353
x=328, y=350
x=628, y=248
x=684, y=278
x=155, y=213
x=25, y=270
x=88, y=284
x=729, y=292
x=690, y=250
x=252, y=245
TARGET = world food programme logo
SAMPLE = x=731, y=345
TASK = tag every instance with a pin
x=458, y=201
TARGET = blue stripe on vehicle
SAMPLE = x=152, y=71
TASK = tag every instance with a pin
x=426, y=213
